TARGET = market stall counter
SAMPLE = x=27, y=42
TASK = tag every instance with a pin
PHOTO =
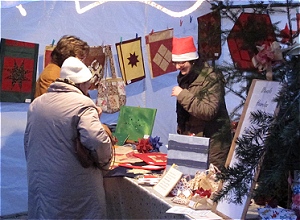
x=126, y=199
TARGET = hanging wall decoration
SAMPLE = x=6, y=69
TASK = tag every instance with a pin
x=286, y=34
x=111, y=88
x=298, y=21
x=131, y=61
x=159, y=48
x=209, y=36
x=47, y=54
x=18, y=70
x=95, y=62
x=249, y=31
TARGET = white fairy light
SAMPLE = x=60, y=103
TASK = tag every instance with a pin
x=173, y=13
x=88, y=7
x=151, y=3
x=22, y=10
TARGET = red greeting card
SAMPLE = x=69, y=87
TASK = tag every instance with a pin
x=157, y=159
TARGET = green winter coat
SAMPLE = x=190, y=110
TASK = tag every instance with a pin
x=205, y=102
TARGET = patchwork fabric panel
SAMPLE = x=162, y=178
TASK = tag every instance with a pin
x=131, y=61
x=18, y=70
x=159, y=47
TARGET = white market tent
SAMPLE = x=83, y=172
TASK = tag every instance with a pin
x=106, y=23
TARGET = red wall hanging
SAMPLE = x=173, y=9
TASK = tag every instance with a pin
x=250, y=30
x=18, y=70
x=209, y=36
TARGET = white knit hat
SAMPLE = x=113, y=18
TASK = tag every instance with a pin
x=184, y=49
x=75, y=70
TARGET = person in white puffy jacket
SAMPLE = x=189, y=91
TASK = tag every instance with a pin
x=59, y=187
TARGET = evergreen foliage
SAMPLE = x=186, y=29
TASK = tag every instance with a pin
x=271, y=144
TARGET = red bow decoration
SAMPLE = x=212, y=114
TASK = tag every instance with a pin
x=144, y=146
x=267, y=54
x=201, y=192
x=286, y=34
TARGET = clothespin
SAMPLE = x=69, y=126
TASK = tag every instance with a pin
x=53, y=41
x=152, y=31
x=243, y=9
x=191, y=18
x=120, y=40
x=136, y=35
x=181, y=21
x=103, y=47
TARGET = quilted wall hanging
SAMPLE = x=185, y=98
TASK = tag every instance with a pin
x=159, y=48
x=95, y=60
x=18, y=70
x=209, y=36
x=131, y=61
x=249, y=31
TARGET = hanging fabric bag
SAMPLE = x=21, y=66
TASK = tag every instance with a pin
x=111, y=89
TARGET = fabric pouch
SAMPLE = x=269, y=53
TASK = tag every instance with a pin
x=111, y=90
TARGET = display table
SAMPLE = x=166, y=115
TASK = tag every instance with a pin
x=128, y=200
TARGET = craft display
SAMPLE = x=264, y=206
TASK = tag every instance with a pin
x=168, y=181
x=134, y=123
x=286, y=34
x=189, y=153
x=159, y=159
x=209, y=36
x=267, y=56
x=148, y=179
x=159, y=48
x=131, y=61
x=18, y=70
x=298, y=21
x=197, y=192
x=47, y=54
x=111, y=89
x=295, y=206
x=95, y=62
x=276, y=213
x=141, y=166
x=261, y=32
x=150, y=144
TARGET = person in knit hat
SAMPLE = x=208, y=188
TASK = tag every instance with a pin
x=59, y=185
x=200, y=107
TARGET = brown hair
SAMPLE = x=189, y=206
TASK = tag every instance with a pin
x=69, y=46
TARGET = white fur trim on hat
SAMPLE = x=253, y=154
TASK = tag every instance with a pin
x=183, y=49
x=185, y=57
x=75, y=70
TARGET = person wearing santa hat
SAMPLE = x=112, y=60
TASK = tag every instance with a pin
x=201, y=108
x=59, y=186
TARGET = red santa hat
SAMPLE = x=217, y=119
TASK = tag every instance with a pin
x=184, y=49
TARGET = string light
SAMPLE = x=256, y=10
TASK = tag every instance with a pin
x=151, y=3
x=22, y=10
x=173, y=13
